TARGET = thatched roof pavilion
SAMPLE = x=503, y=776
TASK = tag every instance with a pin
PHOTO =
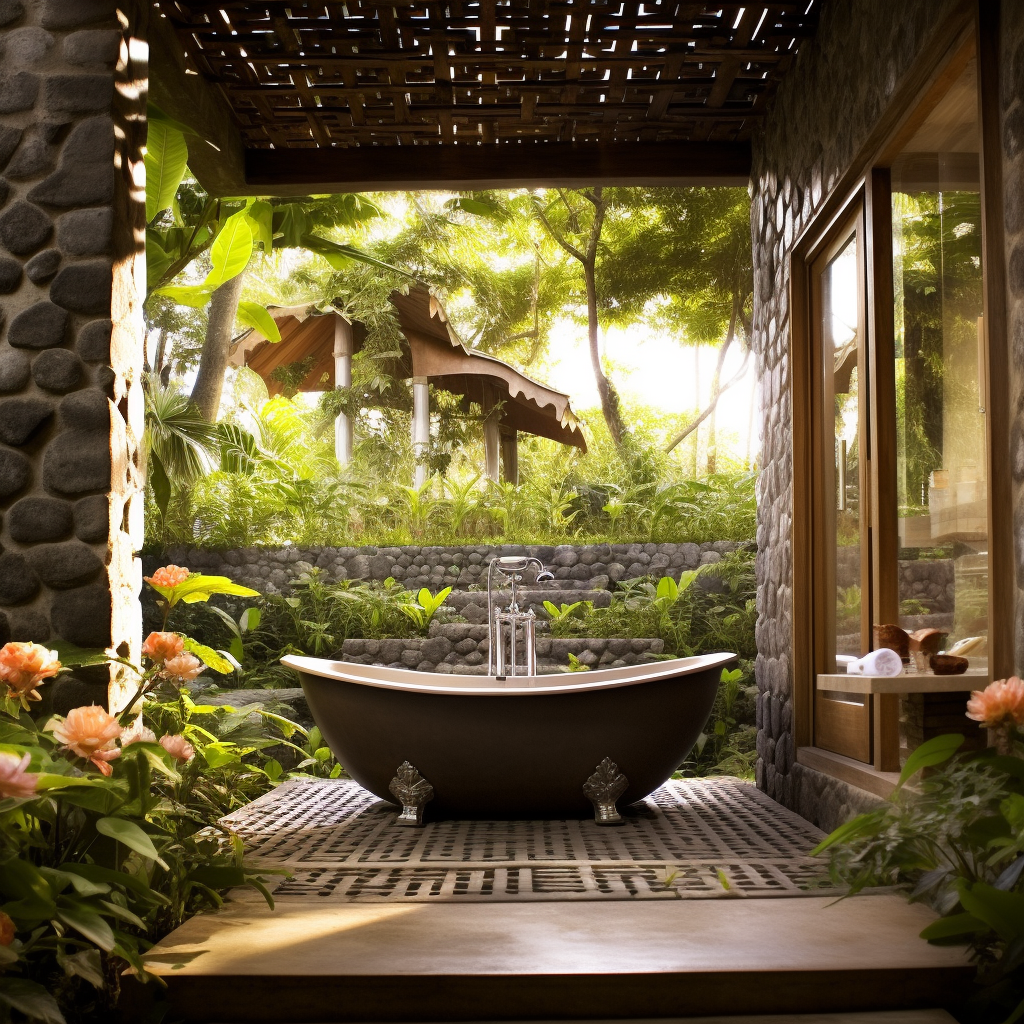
x=432, y=353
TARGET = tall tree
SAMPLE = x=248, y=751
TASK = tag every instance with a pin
x=577, y=231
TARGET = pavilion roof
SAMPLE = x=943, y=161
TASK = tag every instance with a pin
x=432, y=350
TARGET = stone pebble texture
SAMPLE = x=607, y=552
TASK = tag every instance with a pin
x=823, y=113
x=70, y=405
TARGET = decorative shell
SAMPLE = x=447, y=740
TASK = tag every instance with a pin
x=895, y=638
x=948, y=664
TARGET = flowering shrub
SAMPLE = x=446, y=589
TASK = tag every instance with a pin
x=957, y=844
x=109, y=825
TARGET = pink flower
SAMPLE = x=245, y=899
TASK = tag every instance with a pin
x=1000, y=703
x=161, y=646
x=14, y=780
x=182, y=668
x=168, y=576
x=89, y=732
x=137, y=733
x=23, y=666
x=178, y=747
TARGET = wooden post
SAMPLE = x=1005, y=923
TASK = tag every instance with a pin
x=492, y=436
x=420, y=428
x=510, y=455
x=342, y=379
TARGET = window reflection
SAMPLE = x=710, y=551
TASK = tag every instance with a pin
x=941, y=483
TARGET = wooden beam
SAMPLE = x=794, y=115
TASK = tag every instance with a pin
x=286, y=172
x=216, y=156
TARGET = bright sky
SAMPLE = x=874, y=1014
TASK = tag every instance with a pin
x=651, y=368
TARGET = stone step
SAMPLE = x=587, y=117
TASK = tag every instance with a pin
x=472, y=604
x=327, y=960
x=460, y=646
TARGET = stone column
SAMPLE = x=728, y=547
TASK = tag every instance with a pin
x=420, y=428
x=510, y=455
x=73, y=84
x=342, y=379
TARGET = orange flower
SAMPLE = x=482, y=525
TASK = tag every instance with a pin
x=137, y=733
x=182, y=668
x=14, y=780
x=178, y=747
x=23, y=666
x=1000, y=703
x=161, y=646
x=6, y=930
x=89, y=732
x=168, y=576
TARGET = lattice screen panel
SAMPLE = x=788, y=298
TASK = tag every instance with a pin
x=307, y=74
x=690, y=839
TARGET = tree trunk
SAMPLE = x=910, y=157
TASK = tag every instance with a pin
x=716, y=387
x=605, y=388
x=213, y=363
x=696, y=405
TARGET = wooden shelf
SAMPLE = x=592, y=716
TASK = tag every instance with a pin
x=972, y=679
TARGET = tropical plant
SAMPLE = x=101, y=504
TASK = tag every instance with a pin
x=110, y=830
x=956, y=842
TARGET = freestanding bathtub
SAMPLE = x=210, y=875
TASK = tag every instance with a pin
x=523, y=747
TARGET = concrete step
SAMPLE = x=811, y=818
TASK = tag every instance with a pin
x=327, y=961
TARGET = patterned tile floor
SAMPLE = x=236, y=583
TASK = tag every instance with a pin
x=691, y=839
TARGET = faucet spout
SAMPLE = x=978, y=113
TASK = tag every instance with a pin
x=504, y=625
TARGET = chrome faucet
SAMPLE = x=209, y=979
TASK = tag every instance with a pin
x=505, y=624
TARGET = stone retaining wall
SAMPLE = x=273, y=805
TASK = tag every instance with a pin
x=583, y=567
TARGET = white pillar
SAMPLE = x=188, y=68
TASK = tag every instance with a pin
x=492, y=436
x=420, y=428
x=342, y=379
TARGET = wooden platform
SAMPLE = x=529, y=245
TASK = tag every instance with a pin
x=316, y=961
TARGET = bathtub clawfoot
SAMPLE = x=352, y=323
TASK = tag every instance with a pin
x=603, y=788
x=413, y=792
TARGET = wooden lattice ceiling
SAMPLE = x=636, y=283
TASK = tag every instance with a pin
x=345, y=76
x=358, y=74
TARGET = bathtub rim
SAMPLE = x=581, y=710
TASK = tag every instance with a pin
x=412, y=681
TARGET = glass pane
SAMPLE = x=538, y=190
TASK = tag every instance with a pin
x=941, y=486
x=842, y=337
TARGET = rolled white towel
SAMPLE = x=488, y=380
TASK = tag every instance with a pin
x=883, y=662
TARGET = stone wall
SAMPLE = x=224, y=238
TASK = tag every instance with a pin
x=824, y=111
x=72, y=101
x=576, y=567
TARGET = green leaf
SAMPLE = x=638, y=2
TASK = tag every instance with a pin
x=667, y=590
x=208, y=656
x=166, y=156
x=85, y=965
x=201, y=588
x=1003, y=912
x=231, y=250
x=260, y=214
x=932, y=752
x=129, y=834
x=72, y=656
x=250, y=619
x=290, y=223
x=481, y=208
x=253, y=315
x=953, y=927
x=86, y=921
x=161, y=484
x=30, y=999
x=155, y=115
x=194, y=295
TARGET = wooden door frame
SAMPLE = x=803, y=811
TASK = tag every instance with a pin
x=972, y=29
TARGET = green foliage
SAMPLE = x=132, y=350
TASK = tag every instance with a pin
x=957, y=843
x=102, y=854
